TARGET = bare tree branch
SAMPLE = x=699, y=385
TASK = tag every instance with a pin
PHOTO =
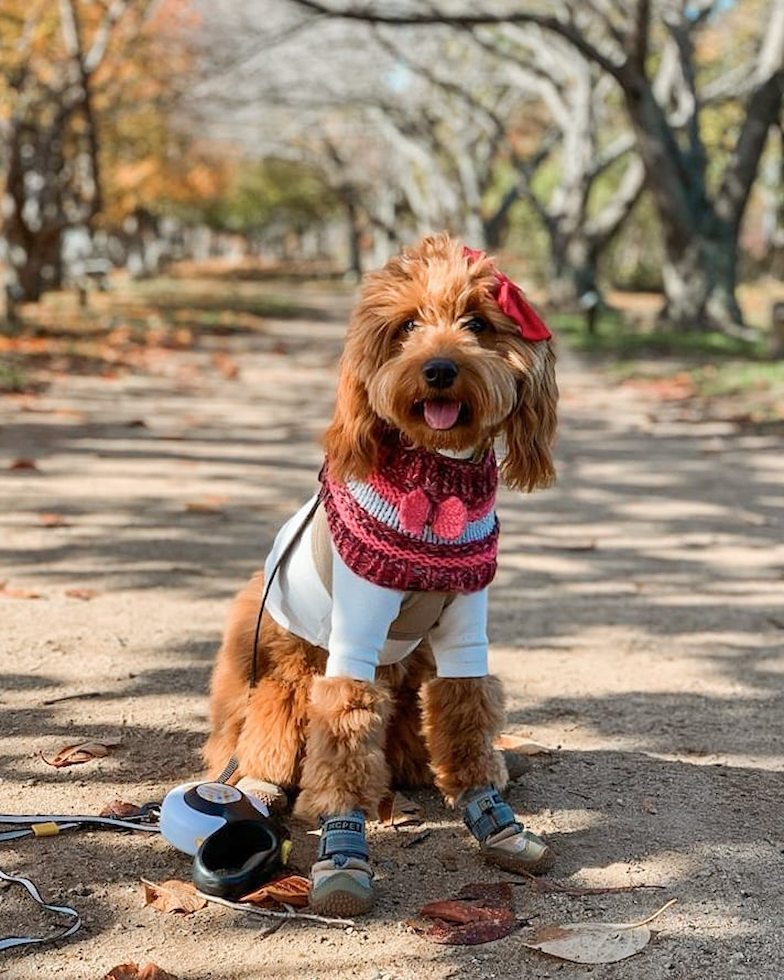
x=566, y=29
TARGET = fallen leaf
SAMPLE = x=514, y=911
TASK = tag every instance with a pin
x=53, y=520
x=285, y=890
x=82, y=593
x=132, y=971
x=152, y=972
x=18, y=593
x=211, y=504
x=73, y=755
x=23, y=463
x=398, y=811
x=120, y=810
x=522, y=746
x=173, y=896
x=124, y=971
x=594, y=942
x=479, y=914
x=226, y=366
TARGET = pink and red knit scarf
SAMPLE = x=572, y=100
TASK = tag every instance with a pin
x=421, y=522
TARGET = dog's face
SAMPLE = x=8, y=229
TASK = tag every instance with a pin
x=430, y=352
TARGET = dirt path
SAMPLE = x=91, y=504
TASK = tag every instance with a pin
x=637, y=620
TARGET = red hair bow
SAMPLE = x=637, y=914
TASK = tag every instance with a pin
x=512, y=302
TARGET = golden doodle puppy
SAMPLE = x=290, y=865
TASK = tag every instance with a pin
x=370, y=668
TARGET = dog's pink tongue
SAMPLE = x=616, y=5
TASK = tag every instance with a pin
x=441, y=415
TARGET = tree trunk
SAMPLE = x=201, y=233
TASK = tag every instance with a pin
x=34, y=224
x=700, y=233
x=699, y=276
x=355, y=233
x=573, y=262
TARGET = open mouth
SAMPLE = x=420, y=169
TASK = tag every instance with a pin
x=442, y=414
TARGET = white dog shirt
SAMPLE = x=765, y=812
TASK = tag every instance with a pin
x=353, y=623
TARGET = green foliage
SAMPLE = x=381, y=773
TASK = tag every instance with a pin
x=712, y=366
x=620, y=339
x=12, y=378
x=272, y=193
x=634, y=259
x=733, y=377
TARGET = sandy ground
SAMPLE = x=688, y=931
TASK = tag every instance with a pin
x=637, y=621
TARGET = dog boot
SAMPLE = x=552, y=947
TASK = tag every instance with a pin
x=503, y=841
x=341, y=878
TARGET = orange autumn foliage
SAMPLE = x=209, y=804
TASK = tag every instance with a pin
x=148, y=155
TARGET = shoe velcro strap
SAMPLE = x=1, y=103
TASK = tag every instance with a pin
x=343, y=835
x=487, y=814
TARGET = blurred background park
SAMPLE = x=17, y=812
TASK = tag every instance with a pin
x=623, y=159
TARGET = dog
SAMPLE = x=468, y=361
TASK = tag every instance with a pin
x=370, y=668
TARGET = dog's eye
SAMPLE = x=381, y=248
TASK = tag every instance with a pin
x=476, y=324
x=408, y=325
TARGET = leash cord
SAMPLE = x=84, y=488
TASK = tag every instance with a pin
x=290, y=545
x=233, y=764
x=48, y=825
x=9, y=942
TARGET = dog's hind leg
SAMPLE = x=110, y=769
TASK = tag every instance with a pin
x=258, y=711
x=344, y=777
x=463, y=716
x=271, y=743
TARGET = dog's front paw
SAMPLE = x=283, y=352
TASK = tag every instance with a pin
x=518, y=850
x=342, y=879
x=503, y=841
x=341, y=886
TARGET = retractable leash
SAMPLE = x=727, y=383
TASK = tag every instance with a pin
x=232, y=765
x=233, y=839
x=9, y=942
x=49, y=825
x=235, y=843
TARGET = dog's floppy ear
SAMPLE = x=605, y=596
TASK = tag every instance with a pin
x=530, y=429
x=350, y=441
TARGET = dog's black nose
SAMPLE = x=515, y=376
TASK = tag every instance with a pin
x=439, y=372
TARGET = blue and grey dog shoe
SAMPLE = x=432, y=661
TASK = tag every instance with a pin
x=503, y=841
x=341, y=878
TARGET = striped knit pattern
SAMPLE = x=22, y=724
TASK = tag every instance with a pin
x=370, y=536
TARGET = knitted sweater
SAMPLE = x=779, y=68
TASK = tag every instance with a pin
x=421, y=522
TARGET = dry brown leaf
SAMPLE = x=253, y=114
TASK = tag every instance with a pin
x=398, y=811
x=285, y=890
x=594, y=942
x=173, y=896
x=211, y=504
x=152, y=972
x=480, y=913
x=53, y=520
x=73, y=755
x=120, y=810
x=132, y=971
x=522, y=746
x=82, y=593
x=226, y=366
x=18, y=593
